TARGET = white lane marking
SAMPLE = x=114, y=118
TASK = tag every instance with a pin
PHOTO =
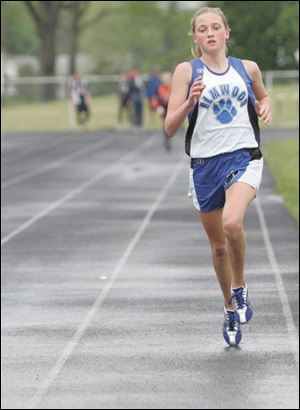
x=67, y=351
x=54, y=164
x=73, y=193
x=6, y=157
x=36, y=149
x=292, y=331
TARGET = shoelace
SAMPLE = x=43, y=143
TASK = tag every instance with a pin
x=240, y=298
x=230, y=318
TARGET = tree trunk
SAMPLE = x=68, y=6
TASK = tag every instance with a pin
x=45, y=15
x=74, y=36
x=47, y=32
x=47, y=61
x=78, y=9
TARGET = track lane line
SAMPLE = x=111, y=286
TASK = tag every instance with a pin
x=291, y=328
x=71, y=345
x=69, y=157
x=55, y=205
x=25, y=153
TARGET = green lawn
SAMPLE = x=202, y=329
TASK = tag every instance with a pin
x=56, y=116
x=285, y=105
x=282, y=157
x=59, y=116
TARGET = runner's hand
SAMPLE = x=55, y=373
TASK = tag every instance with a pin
x=196, y=91
x=263, y=110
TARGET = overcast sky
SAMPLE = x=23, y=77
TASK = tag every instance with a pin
x=187, y=4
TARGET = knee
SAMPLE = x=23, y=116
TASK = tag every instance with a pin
x=219, y=249
x=232, y=226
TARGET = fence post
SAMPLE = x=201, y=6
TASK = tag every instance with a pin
x=269, y=80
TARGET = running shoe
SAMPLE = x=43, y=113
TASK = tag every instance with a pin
x=243, y=304
x=231, y=328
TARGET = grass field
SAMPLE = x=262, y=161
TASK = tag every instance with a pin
x=57, y=116
x=282, y=157
x=285, y=106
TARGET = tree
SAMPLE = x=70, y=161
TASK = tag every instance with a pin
x=47, y=22
x=17, y=29
x=80, y=23
x=77, y=9
x=287, y=27
x=262, y=31
x=45, y=14
x=145, y=35
x=174, y=32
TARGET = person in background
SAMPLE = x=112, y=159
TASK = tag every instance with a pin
x=151, y=94
x=80, y=97
x=124, y=98
x=135, y=92
x=163, y=94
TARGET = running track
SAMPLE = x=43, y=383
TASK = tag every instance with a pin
x=109, y=300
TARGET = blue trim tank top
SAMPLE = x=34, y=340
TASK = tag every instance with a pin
x=224, y=119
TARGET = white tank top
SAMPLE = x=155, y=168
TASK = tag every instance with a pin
x=226, y=119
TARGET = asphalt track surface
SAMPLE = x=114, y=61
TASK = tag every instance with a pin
x=109, y=299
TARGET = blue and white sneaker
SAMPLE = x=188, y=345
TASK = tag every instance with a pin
x=243, y=304
x=231, y=328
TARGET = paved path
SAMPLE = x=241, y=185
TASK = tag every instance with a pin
x=109, y=299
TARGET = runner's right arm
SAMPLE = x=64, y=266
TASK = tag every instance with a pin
x=179, y=104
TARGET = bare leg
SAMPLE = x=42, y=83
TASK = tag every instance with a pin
x=212, y=222
x=238, y=198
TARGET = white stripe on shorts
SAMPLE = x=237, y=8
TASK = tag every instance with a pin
x=192, y=191
x=253, y=173
x=252, y=176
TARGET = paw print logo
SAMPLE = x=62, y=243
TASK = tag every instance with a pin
x=224, y=111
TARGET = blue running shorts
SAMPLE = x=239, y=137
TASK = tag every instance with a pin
x=210, y=177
